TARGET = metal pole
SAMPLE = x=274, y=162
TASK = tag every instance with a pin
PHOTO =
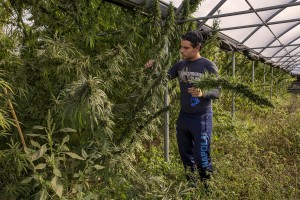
x=166, y=127
x=277, y=87
x=253, y=79
x=253, y=72
x=271, y=83
x=264, y=77
x=166, y=124
x=233, y=76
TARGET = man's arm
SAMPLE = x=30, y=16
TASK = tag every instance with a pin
x=172, y=73
x=212, y=94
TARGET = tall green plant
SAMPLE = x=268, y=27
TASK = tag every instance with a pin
x=50, y=162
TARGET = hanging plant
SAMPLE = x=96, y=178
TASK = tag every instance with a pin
x=209, y=82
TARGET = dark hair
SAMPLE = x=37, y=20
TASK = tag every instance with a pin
x=194, y=37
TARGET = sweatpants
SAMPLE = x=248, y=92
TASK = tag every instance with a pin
x=193, y=137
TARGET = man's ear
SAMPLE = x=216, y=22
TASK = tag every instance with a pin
x=198, y=47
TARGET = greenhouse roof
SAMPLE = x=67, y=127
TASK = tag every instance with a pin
x=269, y=30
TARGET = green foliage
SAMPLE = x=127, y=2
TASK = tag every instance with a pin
x=13, y=165
x=252, y=160
x=56, y=171
x=210, y=82
x=87, y=106
x=211, y=46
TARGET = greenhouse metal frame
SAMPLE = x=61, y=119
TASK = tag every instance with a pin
x=268, y=31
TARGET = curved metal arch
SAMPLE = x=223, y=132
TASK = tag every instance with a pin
x=293, y=57
x=287, y=45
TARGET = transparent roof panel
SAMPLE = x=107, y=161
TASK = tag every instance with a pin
x=285, y=51
x=267, y=3
x=266, y=15
x=296, y=51
x=279, y=29
x=239, y=20
x=176, y=3
x=297, y=69
x=234, y=6
x=205, y=8
x=291, y=34
x=290, y=61
x=297, y=60
x=284, y=59
x=293, y=50
x=287, y=13
x=294, y=62
x=270, y=52
x=279, y=59
x=297, y=41
x=257, y=40
x=239, y=35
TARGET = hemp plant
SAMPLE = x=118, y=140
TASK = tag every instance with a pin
x=49, y=161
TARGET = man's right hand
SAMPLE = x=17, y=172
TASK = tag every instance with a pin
x=195, y=92
x=150, y=63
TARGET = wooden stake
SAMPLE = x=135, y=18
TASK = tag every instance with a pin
x=15, y=118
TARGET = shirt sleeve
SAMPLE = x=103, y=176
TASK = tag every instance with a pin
x=173, y=72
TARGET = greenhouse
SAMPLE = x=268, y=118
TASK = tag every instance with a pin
x=89, y=110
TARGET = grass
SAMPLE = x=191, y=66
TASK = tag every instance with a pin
x=256, y=156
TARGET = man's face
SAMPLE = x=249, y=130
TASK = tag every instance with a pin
x=187, y=51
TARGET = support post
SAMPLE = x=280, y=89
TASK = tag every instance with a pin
x=253, y=72
x=166, y=127
x=233, y=94
x=166, y=124
x=15, y=118
x=271, y=89
x=264, y=77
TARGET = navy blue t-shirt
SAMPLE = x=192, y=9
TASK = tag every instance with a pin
x=188, y=72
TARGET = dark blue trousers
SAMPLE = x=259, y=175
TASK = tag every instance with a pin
x=193, y=137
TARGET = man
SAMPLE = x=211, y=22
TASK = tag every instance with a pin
x=194, y=124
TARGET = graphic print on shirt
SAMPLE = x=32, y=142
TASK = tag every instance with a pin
x=194, y=101
x=190, y=77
